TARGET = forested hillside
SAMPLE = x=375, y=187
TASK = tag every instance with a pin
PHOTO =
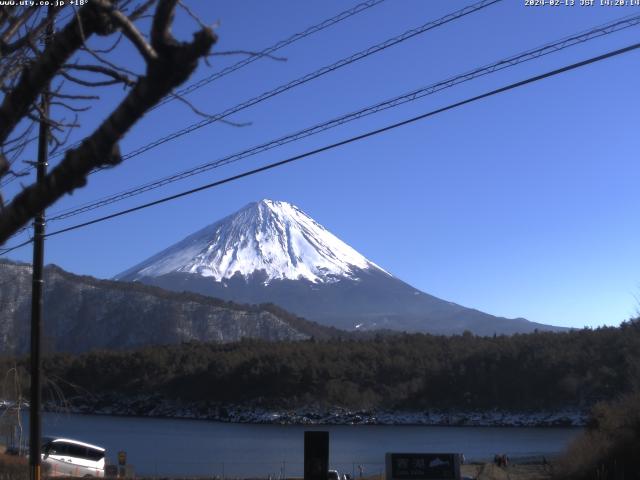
x=539, y=370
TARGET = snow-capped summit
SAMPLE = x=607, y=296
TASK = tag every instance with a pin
x=273, y=252
x=270, y=236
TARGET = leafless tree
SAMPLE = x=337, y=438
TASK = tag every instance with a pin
x=71, y=67
x=11, y=428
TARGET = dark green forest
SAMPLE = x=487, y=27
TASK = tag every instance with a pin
x=530, y=371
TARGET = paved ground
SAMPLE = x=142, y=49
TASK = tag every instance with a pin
x=487, y=471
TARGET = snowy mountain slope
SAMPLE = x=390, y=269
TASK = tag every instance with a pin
x=273, y=252
x=274, y=237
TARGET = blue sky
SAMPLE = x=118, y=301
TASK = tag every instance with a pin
x=520, y=205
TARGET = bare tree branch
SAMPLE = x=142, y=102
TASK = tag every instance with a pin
x=89, y=83
x=59, y=125
x=200, y=113
x=141, y=10
x=15, y=105
x=16, y=24
x=69, y=107
x=195, y=17
x=59, y=143
x=4, y=165
x=113, y=46
x=19, y=137
x=115, y=75
x=12, y=68
x=95, y=54
x=5, y=15
x=17, y=150
x=74, y=97
x=21, y=173
x=129, y=30
x=176, y=61
x=161, y=37
x=30, y=36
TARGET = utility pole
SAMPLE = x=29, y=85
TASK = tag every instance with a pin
x=37, y=288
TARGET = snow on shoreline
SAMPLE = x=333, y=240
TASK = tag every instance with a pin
x=310, y=415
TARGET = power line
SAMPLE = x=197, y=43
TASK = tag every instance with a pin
x=273, y=48
x=265, y=52
x=310, y=76
x=322, y=71
x=316, y=74
x=513, y=60
x=4, y=251
x=353, y=139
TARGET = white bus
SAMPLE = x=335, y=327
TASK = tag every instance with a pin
x=63, y=457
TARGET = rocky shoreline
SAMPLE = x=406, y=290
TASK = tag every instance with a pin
x=158, y=407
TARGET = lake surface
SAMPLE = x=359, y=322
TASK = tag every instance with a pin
x=197, y=447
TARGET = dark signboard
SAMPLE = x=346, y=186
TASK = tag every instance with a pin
x=316, y=455
x=423, y=466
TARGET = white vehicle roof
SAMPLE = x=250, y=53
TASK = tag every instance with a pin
x=76, y=442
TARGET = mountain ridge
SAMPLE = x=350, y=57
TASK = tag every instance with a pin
x=271, y=251
x=85, y=313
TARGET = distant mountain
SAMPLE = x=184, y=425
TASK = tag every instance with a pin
x=83, y=313
x=274, y=238
x=271, y=251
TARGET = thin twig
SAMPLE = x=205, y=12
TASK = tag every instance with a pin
x=206, y=115
x=95, y=55
x=75, y=97
x=70, y=107
x=114, y=74
x=60, y=143
x=31, y=34
x=89, y=83
x=130, y=30
x=112, y=47
x=138, y=13
x=195, y=17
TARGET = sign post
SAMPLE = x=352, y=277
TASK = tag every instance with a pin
x=316, y=455
x=422, y=466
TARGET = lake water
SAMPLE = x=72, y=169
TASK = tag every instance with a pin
x=197, y=447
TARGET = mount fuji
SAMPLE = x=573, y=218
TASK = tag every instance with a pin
x=272, y=252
